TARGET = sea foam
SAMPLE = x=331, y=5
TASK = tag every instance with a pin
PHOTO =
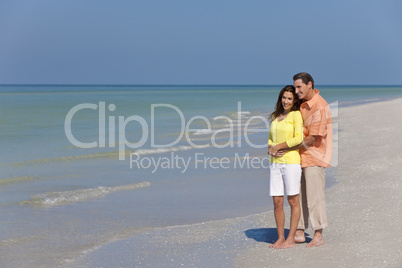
x=101, y=155
x=66, y=197
x=16, y=180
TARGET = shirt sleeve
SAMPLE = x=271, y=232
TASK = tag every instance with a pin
x=270, y=142
x=297, y=130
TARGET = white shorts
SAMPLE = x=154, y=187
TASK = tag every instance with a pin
x=284, y=176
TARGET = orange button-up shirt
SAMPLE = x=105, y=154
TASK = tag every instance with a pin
x=317, y=122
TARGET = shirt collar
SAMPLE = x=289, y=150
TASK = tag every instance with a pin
x=311, y=102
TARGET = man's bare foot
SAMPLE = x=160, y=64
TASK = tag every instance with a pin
x=289, y=243
x=317, y=239
x=277, y=243
x=315, y=242
x=299, y=237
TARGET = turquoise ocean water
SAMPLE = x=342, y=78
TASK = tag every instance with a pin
x=85, y=165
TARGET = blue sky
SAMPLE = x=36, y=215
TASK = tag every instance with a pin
x=200, y=42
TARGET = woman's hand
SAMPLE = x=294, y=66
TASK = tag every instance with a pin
x=281, y=152
x=272, y=150
x=276, y=151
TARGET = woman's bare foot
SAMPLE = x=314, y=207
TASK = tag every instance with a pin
x=277, y=243
x=300, y=237
x=289, y=243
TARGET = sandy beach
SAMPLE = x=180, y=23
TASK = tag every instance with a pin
x=364, y=207
x=363, y=210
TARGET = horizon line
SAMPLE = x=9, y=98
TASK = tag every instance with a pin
x=183, y=85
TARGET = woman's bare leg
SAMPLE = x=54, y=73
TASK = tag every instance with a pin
x=280, y=221
x=294, y=220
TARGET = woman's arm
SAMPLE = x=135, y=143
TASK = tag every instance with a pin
x=307, y=142
x=292, y=143
x=270, y=141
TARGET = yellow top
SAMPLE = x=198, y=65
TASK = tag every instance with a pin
x=289, y=130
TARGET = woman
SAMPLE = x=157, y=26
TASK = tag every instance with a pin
x=285, y=171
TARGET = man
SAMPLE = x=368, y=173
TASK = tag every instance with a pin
x=315, y=152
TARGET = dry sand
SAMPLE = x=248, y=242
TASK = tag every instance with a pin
x=363, y=211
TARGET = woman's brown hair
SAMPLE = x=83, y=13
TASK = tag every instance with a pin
x=279, y=108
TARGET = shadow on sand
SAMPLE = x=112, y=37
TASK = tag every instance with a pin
x=268, y=235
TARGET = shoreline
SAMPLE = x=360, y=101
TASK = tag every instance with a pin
x=364, y=224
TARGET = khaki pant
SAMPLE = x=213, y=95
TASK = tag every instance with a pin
x=312, y=198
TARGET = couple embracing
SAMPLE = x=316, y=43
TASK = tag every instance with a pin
x=300, y=146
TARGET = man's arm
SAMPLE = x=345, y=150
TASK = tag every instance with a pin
x=307, y=142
